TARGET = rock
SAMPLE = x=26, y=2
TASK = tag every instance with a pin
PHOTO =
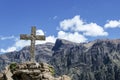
x=3, y=76
x=64, y=77
x=96, y=60
x=30, y=71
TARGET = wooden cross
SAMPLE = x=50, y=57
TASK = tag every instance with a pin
x=32, y=37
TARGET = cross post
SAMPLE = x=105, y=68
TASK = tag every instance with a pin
x=32, y=37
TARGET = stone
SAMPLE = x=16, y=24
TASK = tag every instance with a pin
x=32, y=37
x=1, y=76
x=31, y=71
x=64, y=77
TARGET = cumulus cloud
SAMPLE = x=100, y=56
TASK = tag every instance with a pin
x=76, y=24
x=51, y=39
x=10, y=49
x=18, y=44
x=7, y=37
x=112, y=24
x=21, y=43
x=39, y=32
x=74, y=37
x=93, y=29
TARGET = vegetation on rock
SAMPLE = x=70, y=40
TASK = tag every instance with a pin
x=13, y=66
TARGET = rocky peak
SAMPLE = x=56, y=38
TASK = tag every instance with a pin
x=61, y=43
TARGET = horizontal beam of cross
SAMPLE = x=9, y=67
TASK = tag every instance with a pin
x=29, y=37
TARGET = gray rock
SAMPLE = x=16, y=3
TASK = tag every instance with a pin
x=95, y=60
x=30, y=71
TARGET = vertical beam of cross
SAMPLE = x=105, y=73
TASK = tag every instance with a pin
x=32, y=37
x=32, y=49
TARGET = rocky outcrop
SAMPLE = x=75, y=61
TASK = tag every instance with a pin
x=2, y=76
x=31, y=71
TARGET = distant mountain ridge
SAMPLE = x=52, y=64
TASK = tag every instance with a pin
x=95, y=60
x=43, y=53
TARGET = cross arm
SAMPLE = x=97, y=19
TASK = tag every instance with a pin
x=25, y=37
x=40, y=37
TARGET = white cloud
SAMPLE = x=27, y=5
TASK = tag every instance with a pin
x=16, y=46
x=39, y=32
x=51, y=39
x=71, y=24
x=74, y=37
x=22, y=43
x=112, y=24
x=93, y=29
x=7, y=37
x=10, y=49
x=19, y=44
x=76, y=24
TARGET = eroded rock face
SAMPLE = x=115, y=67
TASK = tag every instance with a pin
x=32, y=71
x=97, y=60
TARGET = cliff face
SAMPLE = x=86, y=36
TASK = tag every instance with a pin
x=96, y=60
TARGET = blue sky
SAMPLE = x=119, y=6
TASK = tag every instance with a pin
x=74, y=20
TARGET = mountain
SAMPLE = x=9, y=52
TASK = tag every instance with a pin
x=43, y=53
x=95, y=60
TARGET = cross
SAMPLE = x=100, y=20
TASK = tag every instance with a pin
x=32, y=37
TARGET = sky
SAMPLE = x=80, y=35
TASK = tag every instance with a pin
x=74, y=20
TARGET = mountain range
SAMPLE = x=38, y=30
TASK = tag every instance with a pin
x=94, y=60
